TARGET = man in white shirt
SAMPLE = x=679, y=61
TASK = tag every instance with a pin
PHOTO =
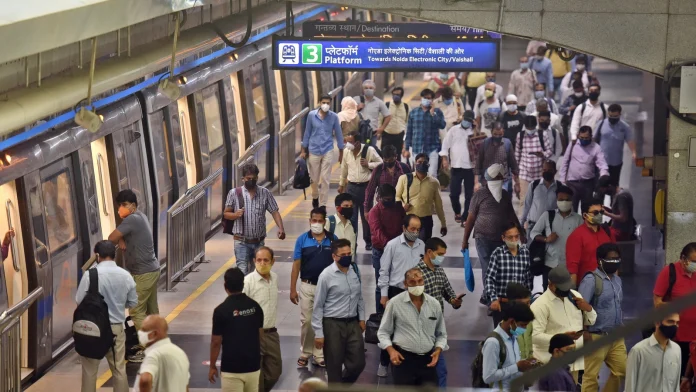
x=560, y=310
x=653, y=363
x=356, y=168
x=262, y=286
x=166, y=366
x=452, y=107
x=589, y=113
x=455, y=150
x=488, y=110
x=339, y=223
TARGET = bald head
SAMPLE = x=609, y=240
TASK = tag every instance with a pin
x=156, y=328
x=312, y=384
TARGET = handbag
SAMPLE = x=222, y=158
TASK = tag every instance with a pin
x=371, y=328
x=228, y=224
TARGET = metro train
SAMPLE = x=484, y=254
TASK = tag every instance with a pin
x=58, y=187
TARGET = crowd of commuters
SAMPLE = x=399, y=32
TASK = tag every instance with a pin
x=555, y=160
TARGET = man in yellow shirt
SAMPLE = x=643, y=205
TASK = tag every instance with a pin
x=419, y=193
x=471, y=81
x=560, y=68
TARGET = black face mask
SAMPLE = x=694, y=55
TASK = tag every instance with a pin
x=614, y=120
x=544, y=125
x=396, y=99
x=562, y=293
x=347, y=212
x=390, y=164
x=422, y=167
x=670, y=331
x=345, y=261
x=548, y=176
x=250, y=184
x=594, y=96
x=610, y=268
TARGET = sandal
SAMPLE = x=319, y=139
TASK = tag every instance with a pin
x=319, y=363
x=458, y=218
x=302, y=362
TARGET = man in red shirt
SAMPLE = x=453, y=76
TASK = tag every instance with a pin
x=385, y=220
x=581, y=248
x=684, y=284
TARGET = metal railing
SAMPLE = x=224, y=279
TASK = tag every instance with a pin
x=286, y=151
x=187, y=223
x=333, y=93
x=11, y=343
x=247, y=157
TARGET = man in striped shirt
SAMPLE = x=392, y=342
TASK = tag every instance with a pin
x=532, y=148
x=246, y=208
x=387, y=172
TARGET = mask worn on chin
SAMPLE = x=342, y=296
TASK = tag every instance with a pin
x=396, y=99
x=594, y=96
x=614, y=120
x=347, y=212
x=448, y=101
x=422, y=167
x=350, y=146
x=512, y=108
x=466, y=124
x=410, y=237
x=538, y=94
x=390, y=164
x=345, y=261
x=369, y=92
x=263, y=269
x=585, y=143
x=564, y=206
x=317, y=228
x=416, y=290
x=325, y=107
x=437, y=260
x=670, y=331
x=426, y=102
x=609, y=268
x=250, y=184
x=548, y=176
x=143, y=338
x=488, y=93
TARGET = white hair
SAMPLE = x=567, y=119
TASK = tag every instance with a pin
x=368, y=82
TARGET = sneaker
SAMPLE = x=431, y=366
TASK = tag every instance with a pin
x=137, y=357
x=368, y=247
x=315, y=203
x=381, y=371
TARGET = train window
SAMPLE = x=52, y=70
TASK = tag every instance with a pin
x=258, y=90
x=213, y=123
x=37, y=222
x=92, y=208
x=122, y=166
x=163, y=169
x=295, y=85
x=58, y=207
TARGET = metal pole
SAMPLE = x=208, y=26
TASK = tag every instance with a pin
x=38, y=69
x=80, y=60
x=129, y=41
x=354, y=14
x=174, y=41
x=118, y=42
x=26, y=71
x=92, y=65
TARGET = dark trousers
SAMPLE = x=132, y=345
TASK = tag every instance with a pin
x=426, y=231
x=471, y=96
x=384, y=355
x=615, y=174
x=545, y=277
x=358, y=193
x=394, y=140
x=343, y=346
x=582, y=190
x=414, y=369
x=467, y=176
x=497, y=317
x=376, y=256
x=685, y=355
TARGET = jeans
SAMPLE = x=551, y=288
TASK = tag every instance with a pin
x=433, y=158
x=484, y=248
x=441, y=369
x=507, y=185
x=358, y=193
x=244, y=254
x=459, y=175
x=376, y=256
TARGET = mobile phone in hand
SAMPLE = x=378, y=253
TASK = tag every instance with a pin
x=571, y=297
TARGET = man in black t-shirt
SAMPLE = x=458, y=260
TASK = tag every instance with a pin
x=237, y=325
x=512, y=119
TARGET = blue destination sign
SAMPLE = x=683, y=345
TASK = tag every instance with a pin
x=393, y=30
x=385, y=55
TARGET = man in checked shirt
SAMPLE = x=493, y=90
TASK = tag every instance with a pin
x=438, y=286
x=509, y=263
x=532, y=148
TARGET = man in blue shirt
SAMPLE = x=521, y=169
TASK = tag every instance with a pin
x=602, y=289
x=312, y=255
x=611, y=134
x=322, y=126
x=543, y=68
x=338, y=319
x=423, y=130
x=516, y=317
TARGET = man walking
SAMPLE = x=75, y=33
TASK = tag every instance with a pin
x=262, y=286
x=396, y=128
x=521, y=84
x=580, y=164
x=339, y=224
x=498, y=149
x=653, y=363
x=541, y=196
x=370, y=107
x=543, y=70
x=423, y=131
x=338, y=319
x=413, y=333
x=118, y=288
x=581, y=248
x=246, y=208
x=166, y=366
x=322, y=126
x=455, y=154
x=488, y=110
x=588, y=113
x=533, y=147
x=388, y=172
x=611, y=134
x=512, y=119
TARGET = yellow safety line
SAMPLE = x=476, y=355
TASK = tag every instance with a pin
x=196, y=293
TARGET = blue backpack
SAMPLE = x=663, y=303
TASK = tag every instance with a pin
x=301, y=179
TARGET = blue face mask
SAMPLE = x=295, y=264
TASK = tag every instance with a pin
x=519, y=331
x=438, y=260
x=448, y=101
x=524, y=65
x=466, y=124
x=425, y=102
x=691, y=267
x=585, y=143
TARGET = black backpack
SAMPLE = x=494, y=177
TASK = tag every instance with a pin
x=91, y=325
x=666, y=298
x=537, y=250
x=301, y=179
x=477, y=365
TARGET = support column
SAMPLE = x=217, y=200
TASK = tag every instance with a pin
x=681, y=186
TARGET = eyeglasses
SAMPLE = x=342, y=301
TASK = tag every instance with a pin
x=610, y=260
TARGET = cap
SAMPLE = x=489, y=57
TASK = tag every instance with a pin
x=493, y=171
x=560, y=277
x=511, y=97
x=469, y=116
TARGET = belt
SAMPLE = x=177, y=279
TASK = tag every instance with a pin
x=312, y=282
x=116, y=323
x=358, y=183
x=585, y=180
x=249, y=240
x=270, y=330
x=343, y=320
x=402, y=351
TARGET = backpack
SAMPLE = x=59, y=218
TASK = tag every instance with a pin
x=409, y=182
x=537, y=250
x=301, y=179
x=477, y=365
x=601, y=106
x=540, y=134
x=365, y=130
x=536, y=183
x=228, y=224
x=598, y=134
x=500, y=101
x=91, y=325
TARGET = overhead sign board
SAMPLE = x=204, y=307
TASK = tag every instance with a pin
x=393, y=30
x=385, y=55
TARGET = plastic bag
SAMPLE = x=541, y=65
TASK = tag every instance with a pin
x=468, y=271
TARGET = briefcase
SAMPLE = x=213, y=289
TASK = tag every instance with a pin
x=371, y=328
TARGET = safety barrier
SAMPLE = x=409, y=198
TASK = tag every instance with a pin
x=286, y=151
x=11, y=343
x=187, y=223
x=247, y=157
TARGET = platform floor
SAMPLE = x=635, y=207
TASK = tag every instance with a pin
x=189, y=309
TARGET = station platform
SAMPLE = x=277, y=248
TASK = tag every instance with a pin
x=189, y=309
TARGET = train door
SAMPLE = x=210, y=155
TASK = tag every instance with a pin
x=54, y=238
x=210, y=143
x=184, y=121
x=230, y=120
x=13, y=276
x=100, y=166
x=258, y=111
x=296, y=99
x=87, y=203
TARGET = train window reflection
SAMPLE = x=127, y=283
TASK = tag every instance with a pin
x=258, y=91
x=213, y=123
x=296, y=87
x=58, y=207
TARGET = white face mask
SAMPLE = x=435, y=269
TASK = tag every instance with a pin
x=564, y=206
x=580, y=67
x=496, y=188
x=350, y=146
x=325, y=107
x=143, y=338
x=416, y=290
x=578, y=94
x=317, y=228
